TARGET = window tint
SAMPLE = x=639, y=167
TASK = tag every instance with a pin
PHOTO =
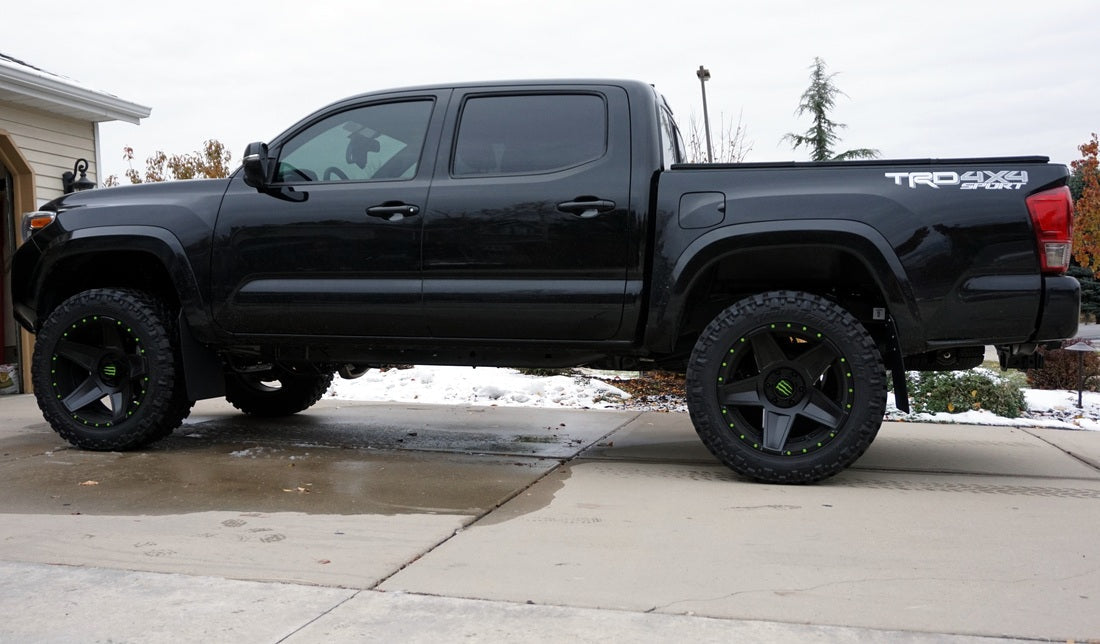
x=372, y=143
x=529, y=134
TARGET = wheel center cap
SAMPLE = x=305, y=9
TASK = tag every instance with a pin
x=110, y=371
x=784, y=387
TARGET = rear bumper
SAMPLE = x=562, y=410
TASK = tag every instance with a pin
x=1061, y=309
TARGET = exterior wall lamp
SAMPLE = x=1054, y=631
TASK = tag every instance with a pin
x=69, y=182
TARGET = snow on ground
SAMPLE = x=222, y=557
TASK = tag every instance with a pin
x=478, y=386
x=490, y=386
x=1053, y=409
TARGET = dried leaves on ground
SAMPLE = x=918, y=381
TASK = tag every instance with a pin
x=654, y=391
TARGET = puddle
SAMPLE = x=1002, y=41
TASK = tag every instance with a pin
x=260, y=478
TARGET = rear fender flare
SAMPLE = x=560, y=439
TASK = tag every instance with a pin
x=861, y=241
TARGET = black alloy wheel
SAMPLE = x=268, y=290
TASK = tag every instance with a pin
x=105, y=371
x=786, y=387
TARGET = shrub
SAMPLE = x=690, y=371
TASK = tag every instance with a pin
x=958, y=391
x=1060, y=370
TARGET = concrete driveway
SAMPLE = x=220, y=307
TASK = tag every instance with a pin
x=358, y=521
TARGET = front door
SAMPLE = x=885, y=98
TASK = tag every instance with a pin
x=332, y=246
x=526, y=234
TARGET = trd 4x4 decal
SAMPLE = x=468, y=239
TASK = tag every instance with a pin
x=970, y=180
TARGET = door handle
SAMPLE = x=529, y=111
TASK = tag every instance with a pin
x=587, y=208
x=393, y=211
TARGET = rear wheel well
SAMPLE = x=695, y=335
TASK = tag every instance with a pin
x=135, y=270
x=830, y=272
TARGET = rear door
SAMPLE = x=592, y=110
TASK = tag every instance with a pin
x=526, y=230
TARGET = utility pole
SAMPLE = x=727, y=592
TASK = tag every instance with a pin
x=704, y=75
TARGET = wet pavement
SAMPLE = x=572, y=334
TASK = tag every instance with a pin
x=537, y=524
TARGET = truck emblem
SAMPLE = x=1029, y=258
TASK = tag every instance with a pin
x=970, y=180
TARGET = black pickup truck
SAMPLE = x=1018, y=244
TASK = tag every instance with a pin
x=542, y=224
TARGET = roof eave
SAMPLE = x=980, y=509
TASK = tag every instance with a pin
x=95, y=106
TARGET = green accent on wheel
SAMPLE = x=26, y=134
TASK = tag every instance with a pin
x=794, y=348
x=67, y=374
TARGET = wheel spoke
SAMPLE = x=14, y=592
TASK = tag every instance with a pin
x=136, y=366
x=817, y=360
x=87, y=393
x=85, y=356
x=112, y=337
x=742, y=392
x=823, y=410
x=120, y=402
x=765, y=350
x=777, y=427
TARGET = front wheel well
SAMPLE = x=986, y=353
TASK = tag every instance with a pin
x=136, y=270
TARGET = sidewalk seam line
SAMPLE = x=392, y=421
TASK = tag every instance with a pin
x=1065, y=451
x=479, y=517
x=314, y=620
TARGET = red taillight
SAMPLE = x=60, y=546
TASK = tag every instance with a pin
x=1052, y=219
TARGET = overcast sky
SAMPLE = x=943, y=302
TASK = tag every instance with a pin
x=927, y=79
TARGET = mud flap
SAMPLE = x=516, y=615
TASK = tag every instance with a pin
x=202, y=369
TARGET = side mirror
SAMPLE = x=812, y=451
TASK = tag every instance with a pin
x=255, y=165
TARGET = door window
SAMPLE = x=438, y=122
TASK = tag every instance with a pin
x=372, y=143
x=529, y=134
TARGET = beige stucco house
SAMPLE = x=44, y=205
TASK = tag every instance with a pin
x=47, y=123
